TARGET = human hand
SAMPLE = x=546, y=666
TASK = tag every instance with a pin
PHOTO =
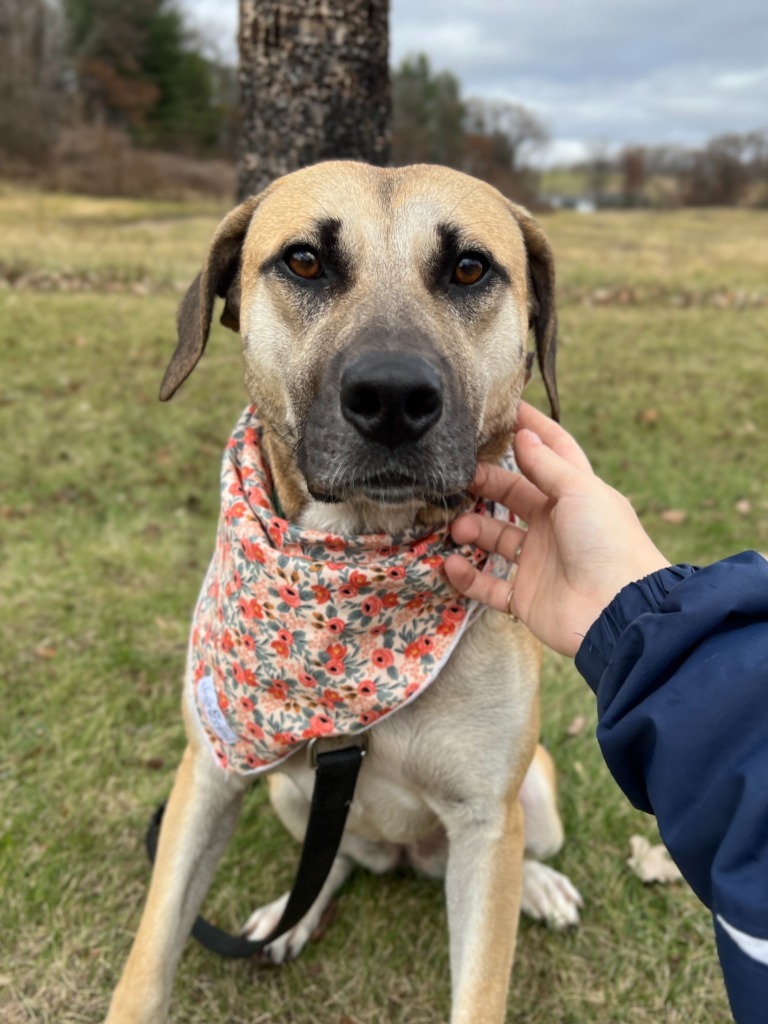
x=583, y=541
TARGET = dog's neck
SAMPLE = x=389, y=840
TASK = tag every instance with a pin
x=352, y=518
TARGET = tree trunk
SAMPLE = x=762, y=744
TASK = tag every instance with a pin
x=314, y=85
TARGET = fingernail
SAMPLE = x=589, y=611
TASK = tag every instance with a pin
x=532, y=437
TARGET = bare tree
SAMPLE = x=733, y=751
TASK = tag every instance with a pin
x=514, y=130
x=633, y=173
x=314, y=85
x=31, y=78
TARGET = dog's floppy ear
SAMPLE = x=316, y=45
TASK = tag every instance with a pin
x=220, y=276
x=542, y=314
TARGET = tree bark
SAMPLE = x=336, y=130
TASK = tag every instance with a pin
x=314, y=85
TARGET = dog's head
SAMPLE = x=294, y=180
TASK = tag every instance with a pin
x=384, y=316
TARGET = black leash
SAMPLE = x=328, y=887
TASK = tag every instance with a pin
x=335, y=777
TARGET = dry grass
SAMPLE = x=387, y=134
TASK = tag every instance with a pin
x=106, y=521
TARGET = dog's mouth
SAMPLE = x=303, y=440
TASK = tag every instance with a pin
x=394, y=489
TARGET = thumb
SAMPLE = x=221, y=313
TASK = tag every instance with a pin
x=543, y=466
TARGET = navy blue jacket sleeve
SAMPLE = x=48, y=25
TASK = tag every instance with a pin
x=679, y=664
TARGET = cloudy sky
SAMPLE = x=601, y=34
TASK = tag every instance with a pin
x=596, y=72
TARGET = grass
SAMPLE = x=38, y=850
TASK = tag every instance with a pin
x=107, y=510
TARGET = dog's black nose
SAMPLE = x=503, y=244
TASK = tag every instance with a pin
x=391, y=397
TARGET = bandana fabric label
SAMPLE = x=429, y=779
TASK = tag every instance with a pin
x=299, y=634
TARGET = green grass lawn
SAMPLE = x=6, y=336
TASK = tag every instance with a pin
x=108, y=502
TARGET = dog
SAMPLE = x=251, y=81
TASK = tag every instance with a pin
x=384, y=316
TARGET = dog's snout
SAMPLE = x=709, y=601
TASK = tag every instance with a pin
x=391, y=398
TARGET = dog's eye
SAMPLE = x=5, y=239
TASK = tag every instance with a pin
x=470, y=268
x=304, y=263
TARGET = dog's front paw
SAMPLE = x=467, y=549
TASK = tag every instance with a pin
x=287, y=946
x=549, y=896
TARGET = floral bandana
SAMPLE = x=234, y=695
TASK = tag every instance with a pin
x=299, y=634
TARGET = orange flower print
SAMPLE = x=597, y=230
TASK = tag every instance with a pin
x=246, y=704
x=275, y=535
x=347, y=590
x=371, y=605
x=335, y=625
x=390, y=600
x=250, y=608
x=254, y=731
x=278, y=689
x=413, y=650
x=235, y=511
x=366, y=688
x=286, y=636
x=322, y=594
x=368, y=717
x=334, y=667
x=285, y=739
x=290, y=595
x=358, y=579
x=383, y=657
x=395, y=572
x=319, y=725
x=334, y=543
x=252, y=551
x=453, y=613
x=280, y=648
x=253, y=761
x=338, y=651
x=305, y=679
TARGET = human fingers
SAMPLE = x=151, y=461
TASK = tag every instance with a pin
x=553, y=435
x=489, y=534
x=548, y=471
x=478, y=586
x=511, y=489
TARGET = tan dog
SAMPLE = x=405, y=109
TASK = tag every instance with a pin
x=420, y=285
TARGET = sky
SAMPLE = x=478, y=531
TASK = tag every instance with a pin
x=597, y=73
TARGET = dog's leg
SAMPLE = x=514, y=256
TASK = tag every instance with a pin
x=198, y=821
x=548, y=895
x=483, y=885
x=292, y=807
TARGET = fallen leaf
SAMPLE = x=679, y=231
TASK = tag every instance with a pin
x=743, y=507
x=674, y=516
x=576, y=728
x=45, y=652
x=652, y=863
x=648, y=417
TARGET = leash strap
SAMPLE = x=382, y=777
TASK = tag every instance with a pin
x=335, y=778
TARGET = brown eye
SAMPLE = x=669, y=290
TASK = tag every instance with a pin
x=469, y=270
x=304, y=263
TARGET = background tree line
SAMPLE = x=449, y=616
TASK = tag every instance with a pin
x=89, y=87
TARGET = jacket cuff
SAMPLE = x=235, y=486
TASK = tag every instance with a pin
x=746, y=979
x=636, y=599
